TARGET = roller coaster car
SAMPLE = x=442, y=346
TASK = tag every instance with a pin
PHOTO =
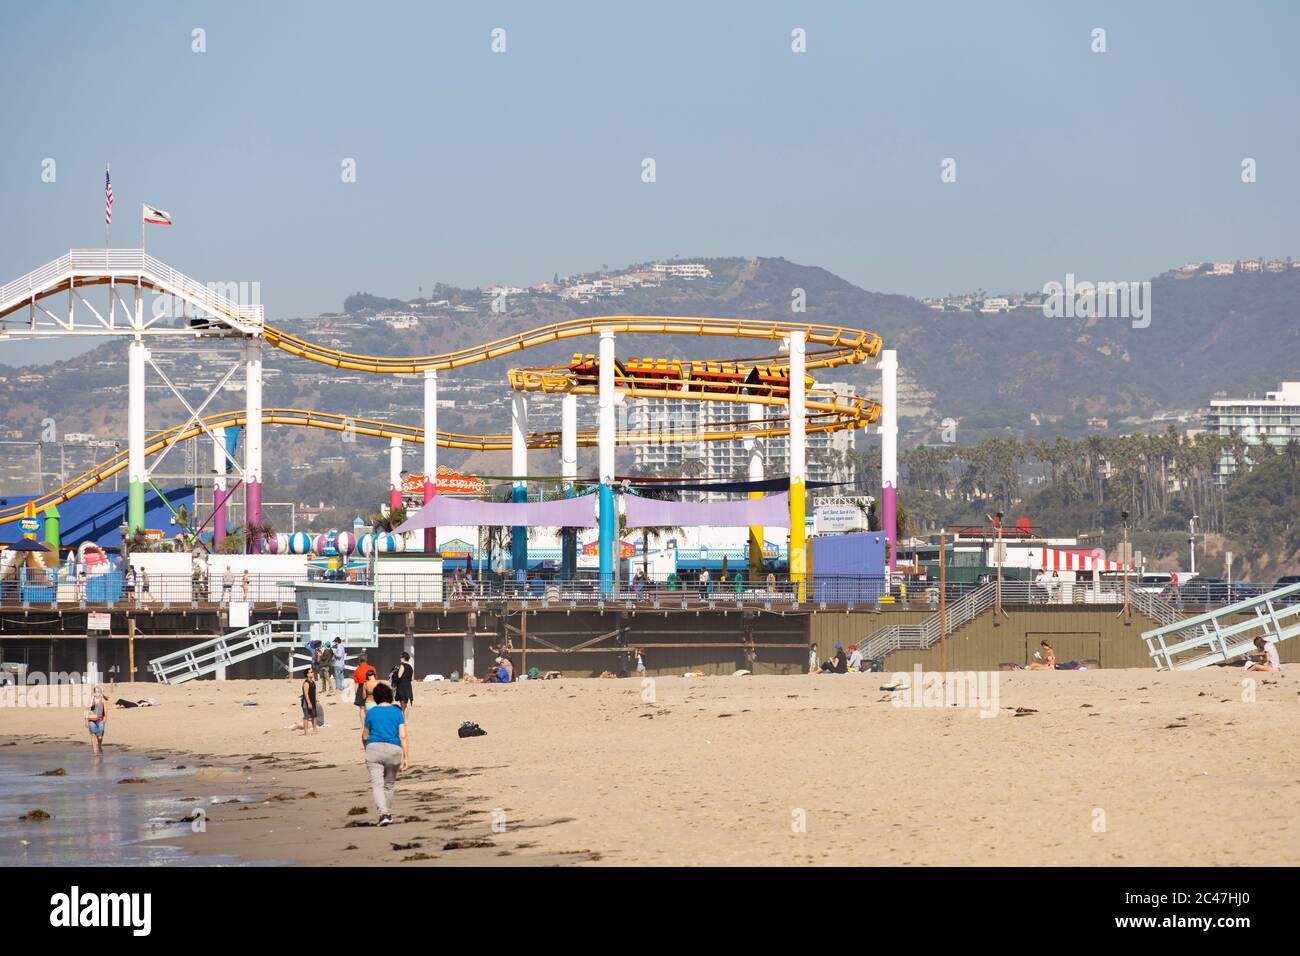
x=648, y=373
x=719, y=376
x=586, y=369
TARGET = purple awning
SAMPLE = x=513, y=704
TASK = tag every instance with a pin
x=444, y=511
x=772, y=511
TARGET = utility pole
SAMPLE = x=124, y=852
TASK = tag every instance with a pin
x=1191, y=541
x=1126, y=561
x=997, y=560
x=943, y=603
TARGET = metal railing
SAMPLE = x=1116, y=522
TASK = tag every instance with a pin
x=1202, y=640
x=98, y=261
x=207, y=657
x=975, y=602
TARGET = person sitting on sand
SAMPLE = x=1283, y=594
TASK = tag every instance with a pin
x=839, y=664
x=383, y=734
x=1046, y=659
x=97, y=721
x=307, y=699
x=1267, y=659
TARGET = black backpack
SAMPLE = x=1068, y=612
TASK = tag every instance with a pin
x=470, y=729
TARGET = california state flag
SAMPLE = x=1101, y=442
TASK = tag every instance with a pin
x=156, y=216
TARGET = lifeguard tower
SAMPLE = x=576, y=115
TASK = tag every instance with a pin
x=326, y=610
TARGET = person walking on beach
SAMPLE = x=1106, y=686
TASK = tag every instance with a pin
x=340, y=658
x=383, y=734
x=97, y=720
x=364, y=677
x=402, y=689
x=324, y=665
x=640, y=662
x=307, y=698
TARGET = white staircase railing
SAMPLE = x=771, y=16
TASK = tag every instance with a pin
x=208, y=657
x=1207, y=639
x=974, y=603
x=919, y=636
x=126, y=263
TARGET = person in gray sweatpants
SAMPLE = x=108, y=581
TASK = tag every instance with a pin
x=387, y=749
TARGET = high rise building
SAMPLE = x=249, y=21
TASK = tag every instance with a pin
x=729, y=458
x=1273, y=420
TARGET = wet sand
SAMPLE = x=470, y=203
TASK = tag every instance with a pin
x=1121, y=767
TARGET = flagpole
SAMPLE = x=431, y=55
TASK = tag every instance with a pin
x=108, y=173
x=142, y=226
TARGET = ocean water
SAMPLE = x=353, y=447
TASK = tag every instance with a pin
x=95, y=821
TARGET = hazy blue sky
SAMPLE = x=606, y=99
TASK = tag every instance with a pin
x=476, y=168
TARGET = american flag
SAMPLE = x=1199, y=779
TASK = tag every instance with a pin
x=108, y=199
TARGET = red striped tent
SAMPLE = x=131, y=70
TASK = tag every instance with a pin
x=1056, y=559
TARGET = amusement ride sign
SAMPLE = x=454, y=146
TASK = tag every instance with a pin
x=447, y=482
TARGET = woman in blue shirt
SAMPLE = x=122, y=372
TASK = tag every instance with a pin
x=387, y=749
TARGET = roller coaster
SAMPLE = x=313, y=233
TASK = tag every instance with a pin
x=206, y=312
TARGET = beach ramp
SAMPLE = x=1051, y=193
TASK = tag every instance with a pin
x=326, y=610
x=1227, y=633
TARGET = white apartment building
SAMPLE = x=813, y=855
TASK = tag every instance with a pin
x=683, y=270
x=730, y=458
x=1273, y=420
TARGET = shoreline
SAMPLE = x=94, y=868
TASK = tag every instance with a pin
x=1076, y=768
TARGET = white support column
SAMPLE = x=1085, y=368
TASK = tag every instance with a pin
x=219, y=465
x=519, y=492
x=430, y=452
x=569, y=476
x=253, y=438
x=137, y=475
x=755, y=415
x=93, y=673
x=889, y=452
x=798, y=445
x=394, y=474
x=569, y=439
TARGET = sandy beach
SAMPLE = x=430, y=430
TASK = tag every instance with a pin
x=1118, y=767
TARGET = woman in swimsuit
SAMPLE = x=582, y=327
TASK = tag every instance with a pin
x=1046, y=659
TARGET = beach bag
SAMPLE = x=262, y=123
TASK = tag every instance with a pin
x=320, y=714
x=360, y=697
x=470, y=729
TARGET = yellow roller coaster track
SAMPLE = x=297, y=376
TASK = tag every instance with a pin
x=823, y=416
x=830, y=347
x=836, y=345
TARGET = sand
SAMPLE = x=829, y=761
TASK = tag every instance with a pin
x=1119, y=767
